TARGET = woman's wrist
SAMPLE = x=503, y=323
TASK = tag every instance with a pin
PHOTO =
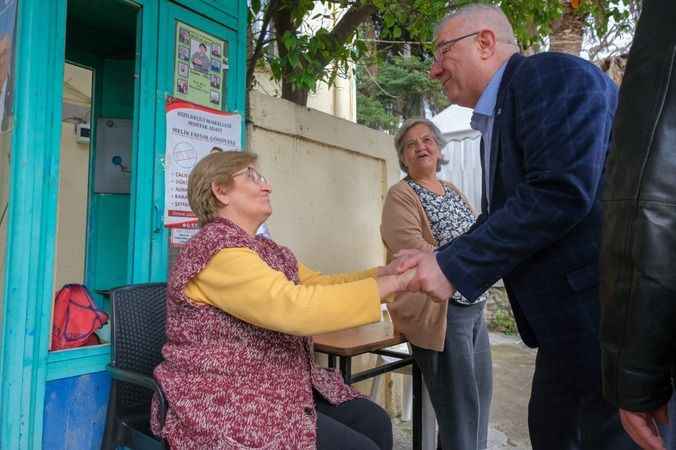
x=387, y=285
x=393, y=284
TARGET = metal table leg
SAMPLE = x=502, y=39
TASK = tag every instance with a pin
x=346, y=369
x=417, y=407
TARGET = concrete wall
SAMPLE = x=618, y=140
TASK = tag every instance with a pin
x=339, y=100
x=329, y=180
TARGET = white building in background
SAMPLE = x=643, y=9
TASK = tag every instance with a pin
x=461, y=152
x=339, y=100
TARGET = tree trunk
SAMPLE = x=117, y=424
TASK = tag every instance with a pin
x=341, y=33
x=291, y=94
x=372, y=46
x=568, y=31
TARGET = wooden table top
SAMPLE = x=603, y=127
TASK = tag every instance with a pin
x=355, y=341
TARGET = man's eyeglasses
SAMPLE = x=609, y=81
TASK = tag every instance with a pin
x=253, y=175
x=445, y=46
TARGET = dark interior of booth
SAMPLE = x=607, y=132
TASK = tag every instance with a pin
x=101, y=40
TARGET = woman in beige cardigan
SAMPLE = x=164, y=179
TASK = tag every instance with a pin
x=449, y=336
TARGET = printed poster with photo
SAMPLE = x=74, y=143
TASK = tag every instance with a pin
x=193, y=132
x=201, y=66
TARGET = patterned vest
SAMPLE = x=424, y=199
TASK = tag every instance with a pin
x=229, y=384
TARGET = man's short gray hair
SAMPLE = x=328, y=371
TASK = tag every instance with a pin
x=493, y=17
x=399, y=143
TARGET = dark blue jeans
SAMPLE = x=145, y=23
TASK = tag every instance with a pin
x=459, y=379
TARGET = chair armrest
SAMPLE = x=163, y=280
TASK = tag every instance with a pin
x=130, y=376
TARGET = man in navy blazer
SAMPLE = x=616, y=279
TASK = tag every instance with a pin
x=546, y=125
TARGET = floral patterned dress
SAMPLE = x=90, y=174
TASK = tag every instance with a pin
x=450, y=216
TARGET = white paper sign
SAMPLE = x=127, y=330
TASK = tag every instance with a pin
x=193, y=132
x=181, y=236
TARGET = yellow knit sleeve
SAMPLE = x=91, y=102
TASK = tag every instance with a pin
x=308, y=276
x=239, y=282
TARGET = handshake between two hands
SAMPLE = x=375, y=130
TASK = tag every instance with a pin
x=418, y=271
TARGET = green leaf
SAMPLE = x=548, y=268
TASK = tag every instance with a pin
x=289, y=40
x=256, y=6
x=293, y=60
x=396, y=32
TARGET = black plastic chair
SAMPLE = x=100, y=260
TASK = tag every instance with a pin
x=138, y=334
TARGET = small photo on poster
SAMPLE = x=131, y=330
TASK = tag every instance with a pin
x=216, y=50
x=200, y=59
x=199, y=56
x=225, y=63
x=183, y=53
x=183, y=36
x=183, y=69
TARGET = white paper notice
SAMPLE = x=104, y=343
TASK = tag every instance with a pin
x=192, y=133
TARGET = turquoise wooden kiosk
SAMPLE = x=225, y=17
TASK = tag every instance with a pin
x=136, y=52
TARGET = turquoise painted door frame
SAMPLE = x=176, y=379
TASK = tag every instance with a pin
x=229, y=27
x=34, y=183
x=141, y=227
x=92, y=359
x=25, y=363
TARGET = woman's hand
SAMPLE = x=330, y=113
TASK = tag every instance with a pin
x=397, y=265
x=392, y=284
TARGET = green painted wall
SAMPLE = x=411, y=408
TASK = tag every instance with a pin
x=108, y=237
x=108, y=217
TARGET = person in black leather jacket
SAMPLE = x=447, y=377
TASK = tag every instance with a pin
x=638, y=250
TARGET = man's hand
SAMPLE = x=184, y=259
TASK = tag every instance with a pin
x=395, y=267
x=642, y=427
x=428, y=278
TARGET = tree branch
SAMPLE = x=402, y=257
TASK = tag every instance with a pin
x=346, y=26
x=260, y=42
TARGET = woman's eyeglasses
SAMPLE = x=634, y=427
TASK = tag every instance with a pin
x=253, y=175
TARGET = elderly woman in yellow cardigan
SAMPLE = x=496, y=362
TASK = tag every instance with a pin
x=239, y=371
x=449, y=336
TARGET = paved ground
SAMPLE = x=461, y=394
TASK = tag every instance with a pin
x=513, y=366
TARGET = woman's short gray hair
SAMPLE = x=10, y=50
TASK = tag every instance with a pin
x=405, y=127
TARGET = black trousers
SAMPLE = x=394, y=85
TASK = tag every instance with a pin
x=567, y=410
x=357, y=424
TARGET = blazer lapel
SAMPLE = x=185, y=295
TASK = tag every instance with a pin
x=514, y=62
x=484, y=199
